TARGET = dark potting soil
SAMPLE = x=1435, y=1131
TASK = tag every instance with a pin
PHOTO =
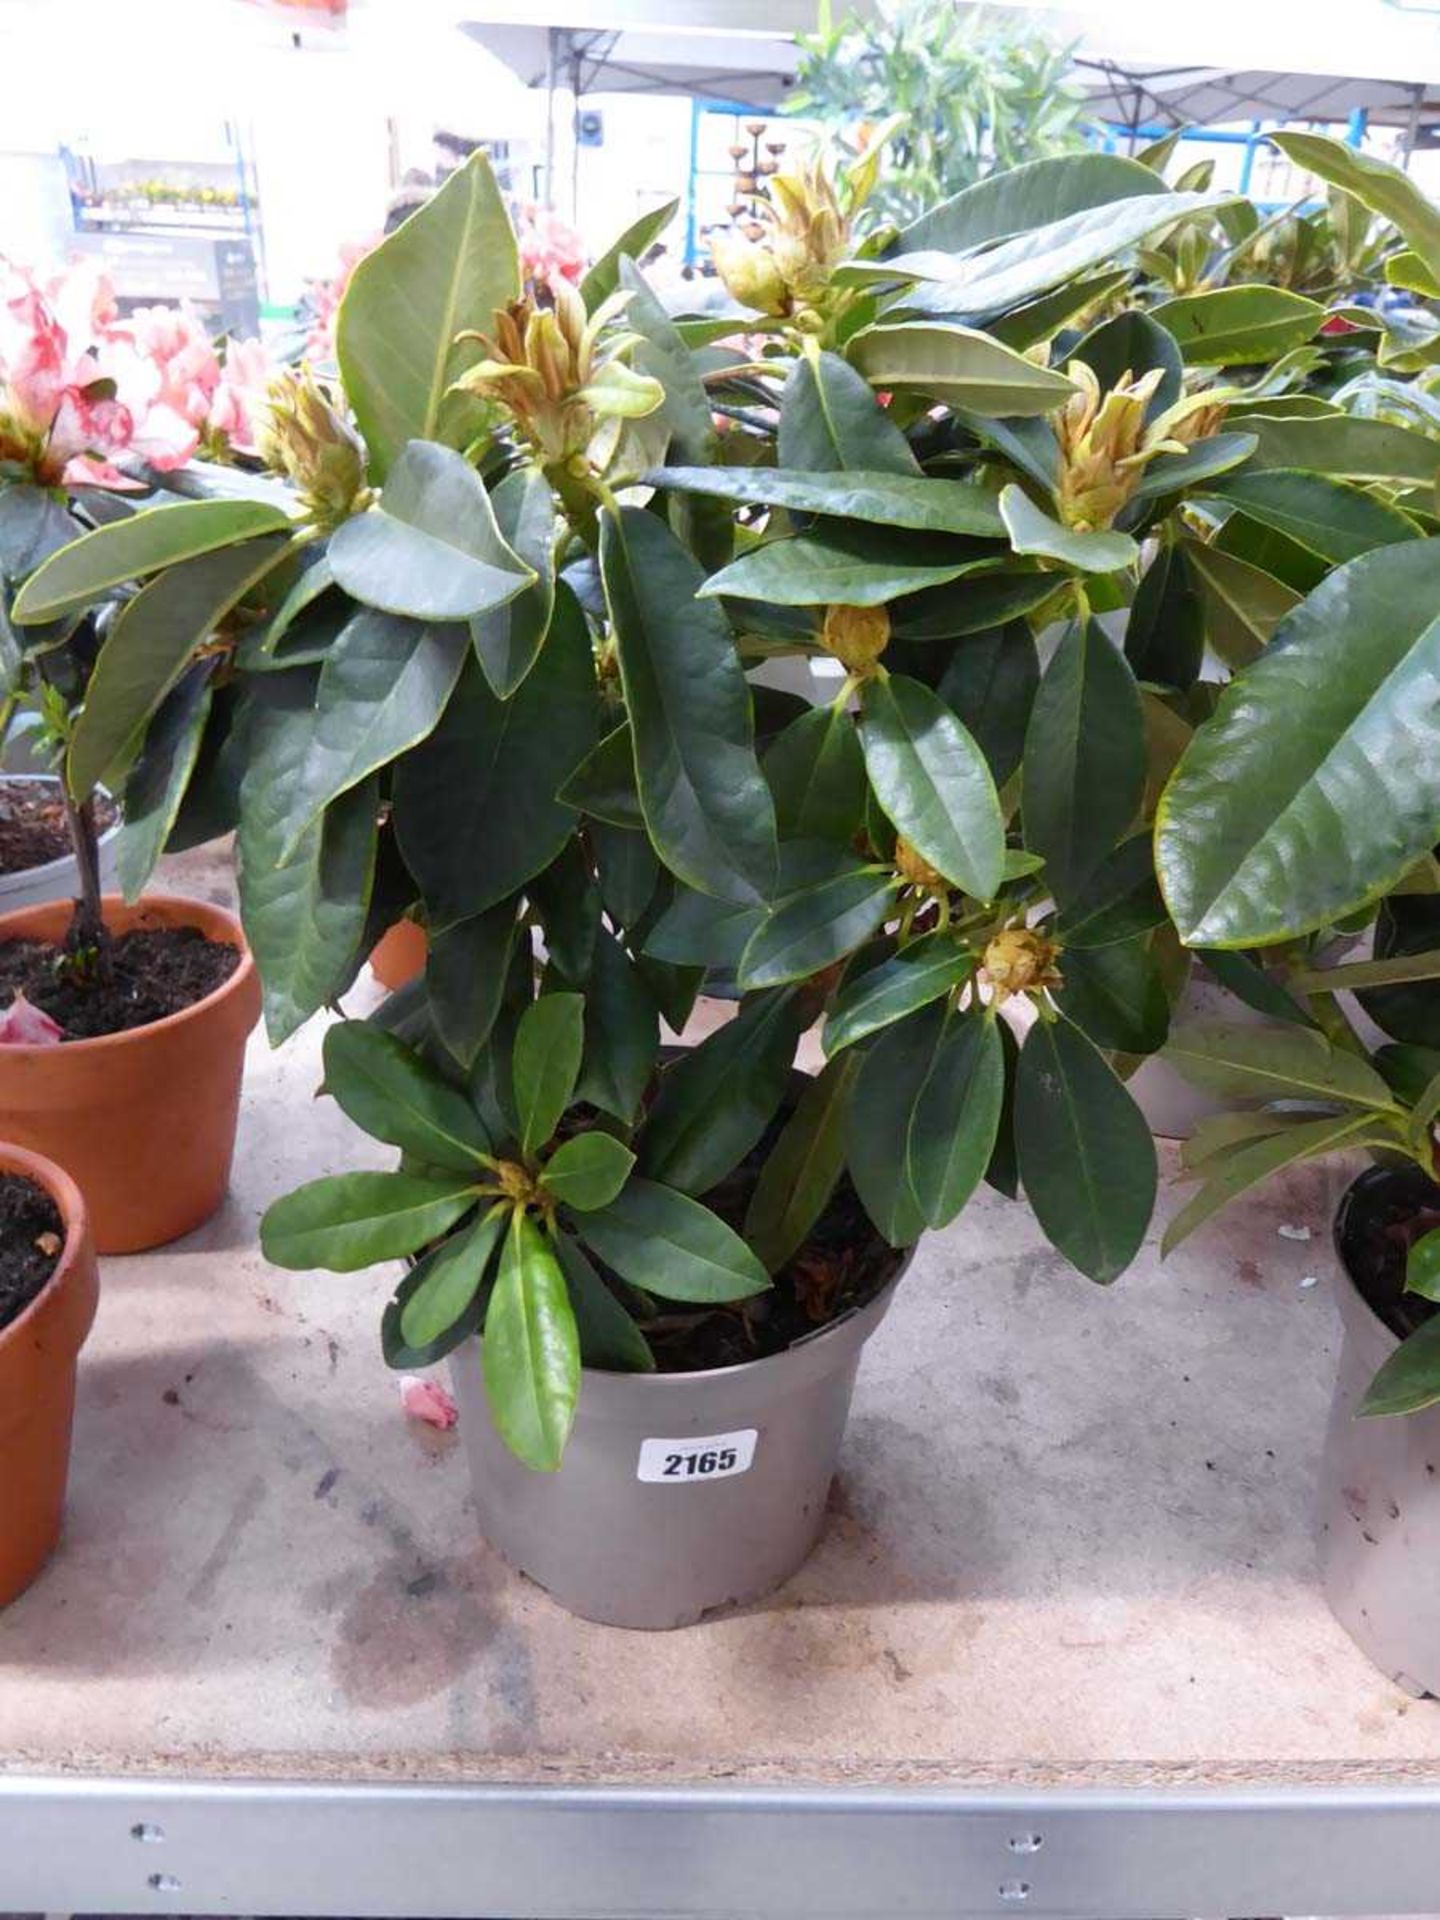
x=1383, y=1216
x=32, y=1236
x=841, y=1266
x=151, y=972
x=32, y=823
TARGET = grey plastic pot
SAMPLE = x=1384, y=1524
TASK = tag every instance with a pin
x=1380, y=1499
x=678, y=1492
x=56, y=879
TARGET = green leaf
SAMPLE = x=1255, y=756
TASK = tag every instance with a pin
x=1165, y=634
x=603, y=785
x=1275, y=1063
x=879, y=499
x=1342, y=444
x=830, y=420
x=990, y=684
x=305, y=921
x=816, y=774
x=157, y=785
x=531, y=1356
x=1328, y=517
x=716, y=1101
x=448, y=1280
x=892, y=1076
x=1375, y=184
x=127, y=550
x=668, y=1244
x=1228, y=326
x=1247, y=979
x=1422, y=1266
x=881, y=995
x=1242, y=605
x=707, y=808
x=1032, y=262
x=1084, y=766
x=800, y=1171
x=465, y=979
x=549, y=1043
x=1120, y=899
x=842, y=568
x=1410, y=1379
x=609, y=1338
x=1131, y=344
x=383, y=687
x=971, y=606
x=956, y=1117
x=1040, y=319
x=350, y=1220
x=148, y=648
x=933, y=783
x=451, y=264
x=1355, y=975
x=1086, y=1157
x=1019, y=199
x=622, y=1032
x=696, y=930
x=587, y=1171
x=391, y=1094
x=475, y=808
x=395, y=1348
x=508, y=639
x=1116, y=995
x=604, y=277
x=956, y=366
x=1247, y=1164
x=660, y=354
x=817, y=926
x=1317, y=783
x=431, y=548
x=1174, y=472
x=1032, y=530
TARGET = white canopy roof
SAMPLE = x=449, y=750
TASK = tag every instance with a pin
x=1145, y=62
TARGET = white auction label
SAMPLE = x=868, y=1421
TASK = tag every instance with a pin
x=704, y=1456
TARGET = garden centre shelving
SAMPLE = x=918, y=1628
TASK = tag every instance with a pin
x=1061, y=1650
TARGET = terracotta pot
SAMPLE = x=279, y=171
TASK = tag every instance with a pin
x=38, y=1352
x=144, y=1120
x=399, y=954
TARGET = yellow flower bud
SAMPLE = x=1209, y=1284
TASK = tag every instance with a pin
x=856, y=637
x=303, y=435
x=1019, y=961
x=913, y=867
x=750, y=273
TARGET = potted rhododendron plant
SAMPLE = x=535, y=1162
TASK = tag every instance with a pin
x=121, y=1026
x=544, y=538
x=1308, y=805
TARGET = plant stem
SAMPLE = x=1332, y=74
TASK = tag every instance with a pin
x=87, y=928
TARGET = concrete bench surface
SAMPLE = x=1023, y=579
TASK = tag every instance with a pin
x=1069, y=1545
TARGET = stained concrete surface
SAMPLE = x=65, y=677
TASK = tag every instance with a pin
x=1069, y=1541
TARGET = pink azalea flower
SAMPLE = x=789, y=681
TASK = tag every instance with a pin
x=427, y=1400
x=75, y=389
x=327, y=295
x=24, y=1025
x=240, y=396
x=550, y=250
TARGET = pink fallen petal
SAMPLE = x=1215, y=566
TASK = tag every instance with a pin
x=24, y=1025
x=427, y=1400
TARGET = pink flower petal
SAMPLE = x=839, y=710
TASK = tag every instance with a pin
x=24, y=1025
x=427, y=1400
